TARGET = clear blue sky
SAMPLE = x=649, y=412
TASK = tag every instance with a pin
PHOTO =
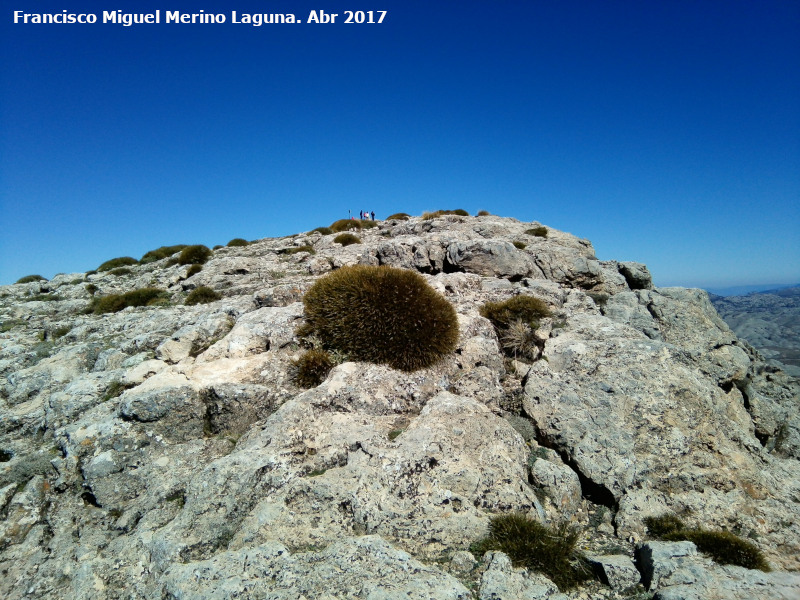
x=666, y=132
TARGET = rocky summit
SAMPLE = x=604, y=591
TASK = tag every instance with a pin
x=166, y=451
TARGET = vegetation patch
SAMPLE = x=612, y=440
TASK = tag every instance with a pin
x=344, y=225
x=297, y=250
x=162, y=252
x=723, y=547
x=518, y=245
x=484, y=213
x=30, y=279
x=91, y=288
x=539, y=231
x=381, y=315
x=10, y=324
x=44, y=298
x=120, y=271
x=401, y=216
x=115, y=263
x=238, y=242
x=532, y=545
x=115, y=389
x=116, y=302
x=515, y=321
x=194, y=255
x=439, y=213
x=202, y=295
x=193, y=270
x=345, y=239
x=311, y=368
x=323, y=230
x=366, y=224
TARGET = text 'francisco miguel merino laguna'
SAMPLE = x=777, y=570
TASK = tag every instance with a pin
x=175, y=16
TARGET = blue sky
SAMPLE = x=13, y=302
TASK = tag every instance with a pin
x=664, y=132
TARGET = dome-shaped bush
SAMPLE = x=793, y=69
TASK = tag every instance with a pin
x=382, y=315
x=194, y=255
x=345, y=239
x=202, y=295
x=311, y=368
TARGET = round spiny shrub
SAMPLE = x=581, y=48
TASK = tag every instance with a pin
x=382, y=315
x=519, y=308
x=484, y=213
x=344, y=225
x=518, y=245
x=30, y=279
x=120, y=271
x=533, y=545
x=162, y=252
x=345, y=239
x=438, y=213
x=311, y=368
x=539, y=231
x=122, y=261
x=368, y=224
x=323, y=230
x=238, y=242
x=194, y=255
x=193, y=270
x=217, y=247
x=91, y=288
x=725, y=548
x=116, y=302
x=202, y=295
x=401, y=216
x=663, y=525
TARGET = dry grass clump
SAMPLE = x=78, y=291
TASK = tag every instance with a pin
x=345, y=239
x=345, y=225
x=484, y=213
x=519, y=245
x=432, y=215
x=116, y=302
x=539, y=231
x=162, y=252
x=401, y=216
x=194, y=255
x=723, y=547
x=193, y=270
x=238, y=242
x=311, y=368
x=323, y=230
x=30, y=279
x=532, y=545
x=202, y=295
x=381, y=315
x=515, y=320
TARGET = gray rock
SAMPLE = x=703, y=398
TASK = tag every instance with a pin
x=617, y=570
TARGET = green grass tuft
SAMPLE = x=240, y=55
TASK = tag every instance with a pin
x=539, y=231
x=162, y=252
x=202, y=295
x=345, y=239
x=530, y=544
x=382, y=315
x=193, y=270
x=194, y=255
x=120, y=271
x=519, y=308
x=114, y=263
x=518, y=245
x=117, y=302
x=311, y=368
x=439, y=213
x=238, y=242
x=31, y=279
x=344, y=225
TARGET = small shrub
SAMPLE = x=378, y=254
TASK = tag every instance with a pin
x=533, y=545
x=432, y=215
x=518, y=245
x=537, y=231
x=345, y=239
x=10, y=324
x=311, y=368
x=519, y=308
x=368, y=224
x=202, y=295
x=114, y=263
x=238, y=242
x=394, y=434
x=162, y=252
x=323, y=230
x=723, y=547
x=194, y=255
x=297, y=250
x=401, y=216
x=193, y=270
x=120, y=271
x=115, y=389
x=60, y=332
x=171, y=262
x=381, y=315
x=344, y=225
x=116, y=302
x=92, y=272
x=44, y=298
x=218, y=246
x=519, y=340
x=30, y=279
x=484, y=213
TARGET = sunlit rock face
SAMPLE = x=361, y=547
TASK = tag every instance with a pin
x=165, y=451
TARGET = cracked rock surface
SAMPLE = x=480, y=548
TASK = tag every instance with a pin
x=165, y=451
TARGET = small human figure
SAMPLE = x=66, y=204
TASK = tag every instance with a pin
x=373, y=215
x=361, y=215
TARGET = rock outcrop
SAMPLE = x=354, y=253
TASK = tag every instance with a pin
x=166, y=452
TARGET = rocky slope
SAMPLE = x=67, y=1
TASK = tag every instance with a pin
x=165, y=452
x=770, y=321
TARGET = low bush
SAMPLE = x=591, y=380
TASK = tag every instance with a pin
x=519, y=308
x=311, y=368
x=30, y=279
x=439, y=213
x=345, y=239
x=238, y=242
x=723, y=547
x=91, y=288
x=539, y=231
x=193, y=270
x=202, y=295
x=532, y=545
x=116, y=302
x=518, y=245
x=44, y=298
x=194, y=255
x=368, y=224
x=382, y=315
x=401, y=216
x=323, y=230
x=344, y=225
x=122, y=261
x=217, y=247
x=297, y=249
x=162, y=252
x=484, y=213
x=120, y=271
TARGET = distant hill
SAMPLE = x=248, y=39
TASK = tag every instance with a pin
x=742, y=290
x=769, y=320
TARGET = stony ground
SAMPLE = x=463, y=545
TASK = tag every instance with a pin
x=165, y=451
